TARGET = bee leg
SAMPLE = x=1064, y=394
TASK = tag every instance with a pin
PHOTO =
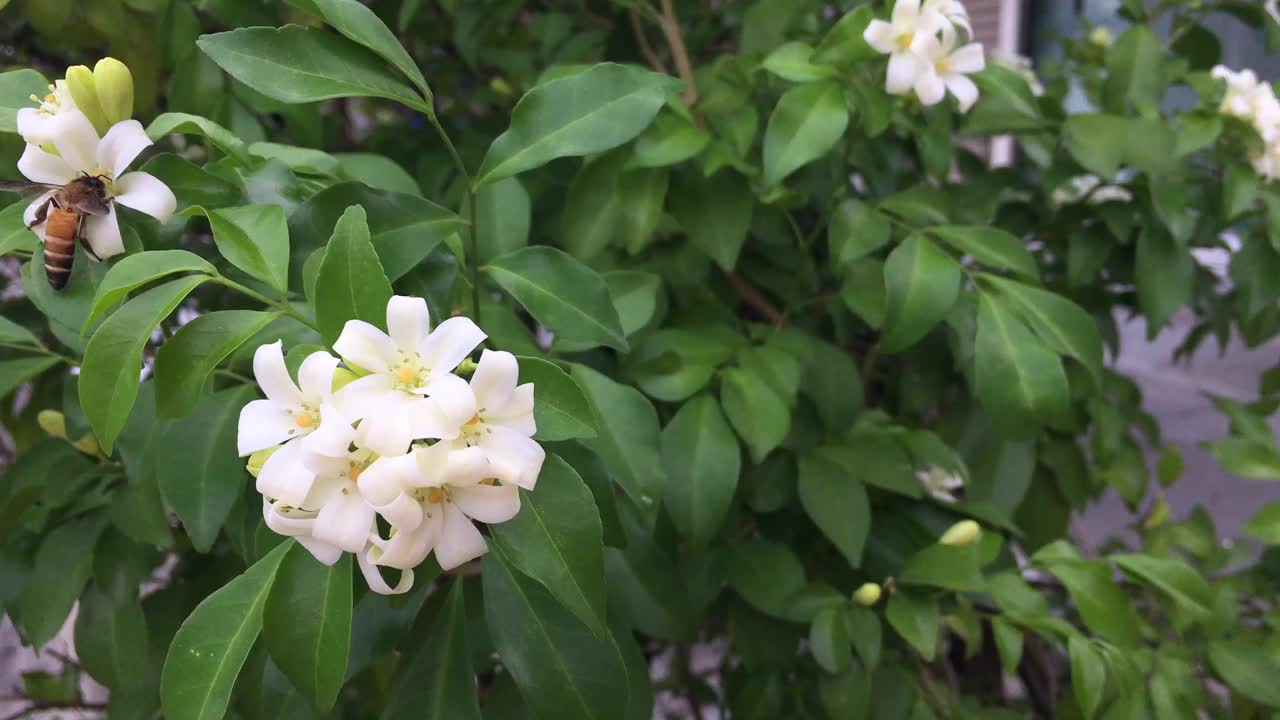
x=42, y=213
x=84, y=241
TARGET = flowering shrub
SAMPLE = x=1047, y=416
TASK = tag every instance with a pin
x=646, y=358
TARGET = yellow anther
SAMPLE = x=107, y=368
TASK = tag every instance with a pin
x=905, y=39
x=354, y=473
x=489, y=481
x=407, y=375
x=435, y=496
x=474, y=419
x=304, y=419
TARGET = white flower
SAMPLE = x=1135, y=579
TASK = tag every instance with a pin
x=410, y=362
x=896, y=37
x=40, y=125
x=1101, y=36
x=1273, y=9
x=939, y=483
x=81, y=152
x=945, y=68
x=953, y=10
x=1024, y=67
x=1254, y=102
x=1081, y=187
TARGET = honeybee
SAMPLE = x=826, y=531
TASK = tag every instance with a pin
x=63, y=214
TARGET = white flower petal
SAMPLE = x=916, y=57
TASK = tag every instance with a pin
x=460, y=541
x=905, y=11
x=324, y=552
x=408, y=321
x=513, y=458
x=345, y=521
x=366, y=347
x=930, y=88
x=364, y=396
x=880, y=36
x=965, y=91
x=408, y=549
x=42, y=167
x=122, y=143
x=29, y=215
x=273, y=376
x=290, y=522
x=284, y=477
x=263, y=424
x=387, y=477
x=454, y=398
x=904, y=68
x=968, y=59
x=315, y=376
x=102, y=232
x=488, y=503
x=77, y=141
x=432, y=464
x=450, y=343
x=467, y=466
x=333, y=437
x=145, y=193
x=428, y=421
x=375, y=581
x=518, y=406
x=495, y=379
x=388, y=431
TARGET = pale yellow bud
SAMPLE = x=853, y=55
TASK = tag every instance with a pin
x=500, y=86
x=52, y=422
x=1159, y=514
x=113, y=84
x=258, y=459
x=867, y=595
x=87, y=444
x=81, y=84
x=342, y=376
x=963, y=533
x=1101, y=36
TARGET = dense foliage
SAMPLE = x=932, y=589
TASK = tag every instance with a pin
x=816, y=390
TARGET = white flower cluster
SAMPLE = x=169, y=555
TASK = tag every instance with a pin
x=63, y=143
x=408, y=445
x=1254, y=101
x=920, y=40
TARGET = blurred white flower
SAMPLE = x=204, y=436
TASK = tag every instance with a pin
x=1101, y=37
x=939, y=483
x=1024, y=67
x=1090, y=188
x=921, y=43
x=1254, y=102
x=896, y=37
x=946, y=68
x=40, y=125
x=1273, y=9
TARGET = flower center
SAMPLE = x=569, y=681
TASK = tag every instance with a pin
x=354, y=473
x=905, y=39
x=435, y=496
x=944, y=66
x=304, y=419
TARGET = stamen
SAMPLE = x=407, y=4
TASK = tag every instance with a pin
x=436, y=496
x=407, y=375
x=304, y=419
x=354, y=473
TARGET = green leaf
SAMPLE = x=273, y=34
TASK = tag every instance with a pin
x=1135, y=71
x=134, y=271
x=255, y=239
x=759, y=415
x=186, y=360
x=306, y=624
x=844, y=42
x=793, y=61
x=211, y=646
x=293, y=64
x=837, y=503
x=1103, y=605
x=589, y=112
x=1020, y=382
x=504, y=213
x=646, y=588
x=191, y=184
x=944, y=566
x=1060, y=323
x=378, y=172
x=1088, y=675
x=922, y=283
x=1173, y=577
x=438, y=683
x=111, y=640
x=1247, y=667
x=298, y=159
x=186, y=124
x=1265, y=524
x=702, y=460
x=560, y=293
x=990, y=246
x=359, y=23
x=915, y=618
x=351, y=284
x=561, y=668
x=715, y=213
x=1165, y=274
x=560, y=409
x=63, y=564
x=805, y=125
x=16, y=89
x=15, y=372
x=627, y=435
x=12, y=332
x=1247, y=457
x=829, y=640
x=671, y=139
x=14, y=234
x=556, y=540
x=1005, y=104
x=765, y=573
x=1102, y=143
x=1008, y=643
x=636, y=296
x=857, y=230
x=198, y=468
x=109, y=376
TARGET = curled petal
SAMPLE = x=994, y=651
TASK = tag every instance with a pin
x=513, y=458
x=273, y=376
x=145, y=193
x=333, y=437
x=453, y=396
x=263, y=424
x=102, y=232
x=488, y=503
x=517, y=414
x=42, y=167
x=965, y=91
x=880, y=36
x=285, y=477
x=374, y=578
x=322, y=551
x=428, y=421
x=407, y=550
x=366, y=347
x=968, y=59
x=450, y=343
x=905, y=11
x=315, y=376
x=29, y=215
x=904, y=68
x=285, y=520
x=495, y=379
x=122, y=143
x=345, y=521
x=432, y=464
x=388, y=431
x=387, y=478
x=408, y=321
x=460, y=541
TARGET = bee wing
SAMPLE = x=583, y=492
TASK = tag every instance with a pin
x=29, y=188
x=92, y=206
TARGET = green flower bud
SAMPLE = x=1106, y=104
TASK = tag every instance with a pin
x=867, y=595
x=258, y=459
x=52, y=422
x=113, y=84
x=87, y=444
x=342, y=376
x=1101, y=36
x=80, y=83
x=963, y=533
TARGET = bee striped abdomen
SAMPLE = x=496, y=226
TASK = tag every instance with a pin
x=60, y=245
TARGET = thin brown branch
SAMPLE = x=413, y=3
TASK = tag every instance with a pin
x=748, y=294
x=646, y=49
x=671, y=29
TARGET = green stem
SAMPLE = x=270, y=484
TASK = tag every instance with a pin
x=41, y=349
x=283, y=306
x=473, y=250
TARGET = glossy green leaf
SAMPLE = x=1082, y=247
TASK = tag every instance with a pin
x=1165, y=275
x=561, y=293
x=944, y=566
x=581, y=114
x=111, y=640
x=438, y=683
x=1135, y=71
x=12, y=332
x=837, y=503
x=806, y=124
x=1088, y=675
x=829, y=640
x=990, y=246
x=921, y=283
x=1060, y=323
x=294, y=64
x=15, y=372
x=255, y=239
x=351, y=284
x=1248, y=668
x=637, y=296
x=16, y=89
x=794, y=61
x=669, y=140
x=703, y=461
x=137, y=270
x=560, y=409
x=844, y=42
x=1171, y=576
x=185, y=362
x=504, y=215
x=113, y=359
x=186, y=124
x=756, y=411
x=211, y=646
x=1019, y=380
x=1104, y=607
x=765, y=573
x=197, y=465
x=306, y=624
x=14, y=234
x=1265, y=524
x=192, y=185
x=359, y=23
x=915, y=618
x=562, y=669
x=856, y=230
x=63, y=564
x=715, y=213
x=556, y=540
x=378, y=172
x=627, y=435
